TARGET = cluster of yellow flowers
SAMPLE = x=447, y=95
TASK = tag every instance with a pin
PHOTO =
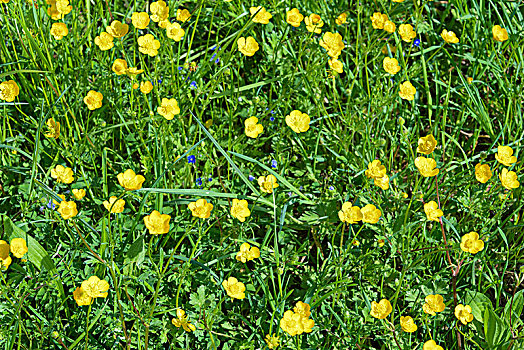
x=247, y=253
x=91, y=288
x=297, y=321
x=17, y=247
x=352, y=214
x=377, y=172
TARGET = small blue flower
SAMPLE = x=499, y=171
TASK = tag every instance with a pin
x=217, y=60
x=416, y=42
x=193, y=84
x=210, y=179
x=331, y=188
x=213, y=57
x=199, y=181
x=240, y=99
x=251, y=177
x=160, y=81
x=191, y=159
x=267, y=109
x=274, y=164
x=273, y=112
x=51, y=205
x=180, y=68
x=272, y=118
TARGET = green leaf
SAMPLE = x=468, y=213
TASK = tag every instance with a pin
x=479, y=303
x=516, y=307
x=495, y=330
x=136, y=252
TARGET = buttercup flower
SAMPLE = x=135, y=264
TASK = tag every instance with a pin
x=130, y=181
x=509, y=179
x=303, y=309
x=505, y=155
x=117, y=29
x=272, y=341
x=296, y=324
x=81, y=297
x=147, y=44
x=240, y=210
x=336, y=65
x=431, y=345
x=434, y=304
x=134, y=71
x=432, y=211
x=104, y=41
x=391, y=65
x=268, y=183
x=406, y=32
x=182, y=15
x=390, y=26
x=375, y=169
x=298, y=121
x=9, y=91
x=157, y=223
x=350, y=214
x=248, y=46
x=4, y=250
x=67, y=209
x=407, y=91
x=18, y=247
x=62, y=174
x=314, y=23
x=168, y=108
x=499, y=34
x=114, y=205
x=252, y=129
x=182, y=321
x=471, y=243
x=174, y=31
x=53, y=128
x=140, y=20
x=294, y=17
x=463, y=313
x=95, y=287
x=200, y=208
x=382, y=182
x=234, y=288
x=119, y=66
x=426, y=145
x=59, y=30
x=426, y=166
x=146, y=87
x=62, y=196
x=93, y=100
x=247, y=253
x=378, y=20
x=341, y=19
x=483, y=173
x=449, y=37
x=262, y=16
x=407, y=324
x=333, y=43
x=370, y=214
x=79, y=193
x=381, y=310
x=159, y=11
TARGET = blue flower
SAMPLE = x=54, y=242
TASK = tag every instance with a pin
x=331, y=188
x=274, y=164
x=273, y=112
x=416, y=42
x=191, y=159
x=180, y=68
x=51, y=205
x=193, y=84
x=272, y=118
x=213, y=57
x=217, y=60
x=199, y=181
x=210, y=179
x=251, y=178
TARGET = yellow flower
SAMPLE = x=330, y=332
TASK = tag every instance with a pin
x=95, y=287
x=93, y=100
x=505, y=155
x=382, y=182
x=146, y=87
x=174, y=31
x=114, y=205
x=378, y=20
x=104, y=41
x=81, y=297
x=341, y=19
x=117, y=29
x=119, y=66
x=384, y=50
x=431, y=345
x=63, y=7
x=79, y=193
x=4, y=250
x=298, y=121
x=407, y=324
x=381, y=242
x=390, y=27
x=262, y=16
x=391, y=65
x=61, y=196
x=336, y=65
x=434, y=303
x=426, y=145
x=247, y=253
x=164, y=24
x=182, y=15
x=381, y=310
x=432, y=211
x=483, y=172
x=234, y=288
x=499, y=34
x=130, y=181
x=252, y=129
x=248, y=46
x=370, y=214
x=449, y=37
x=296, y=324
x=471, y=243
x=53, y=12
x=333, y=43
x=240, y=210
x=62, y=174
x=53, y=128
x=294, y=17
x=157, y=223
x=147, y=44
x=375, y=170
x=314, y=23
x=135, y=86
x=470, y=80
x=463, y=313
x=349, y=213
x=272, y=341
x=182, y=321
x=398, y=0
x=9, y=91
x=426, y=166
x=59, y=30
x=18, y=247
x=134, y=71
x=168, y=108
x=406, y=32
x=200, y=208
x=159, y=11
x=303, y=309
x=67, y=209
x=140, y=20
x=268, y=183
x=407, y=91
x=509, y=179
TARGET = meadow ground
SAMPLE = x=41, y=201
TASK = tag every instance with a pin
x=261, y=175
